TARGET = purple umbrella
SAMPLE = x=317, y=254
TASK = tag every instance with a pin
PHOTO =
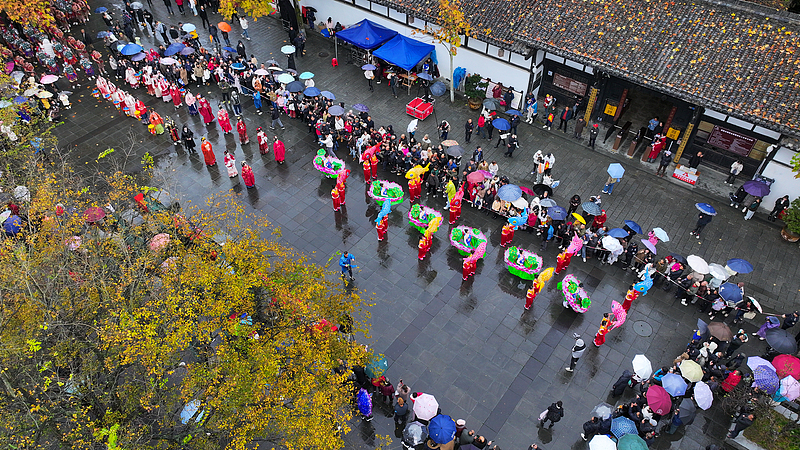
x=649, y=246
x=361, y=107
x=756, y=188
x=766, y=379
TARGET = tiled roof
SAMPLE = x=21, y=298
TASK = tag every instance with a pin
x=738, y=58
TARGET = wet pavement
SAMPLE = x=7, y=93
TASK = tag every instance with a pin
x=470, y=343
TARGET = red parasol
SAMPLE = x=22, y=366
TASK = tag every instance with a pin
x=786, y=365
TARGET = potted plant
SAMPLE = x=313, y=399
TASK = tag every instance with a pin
x=791, y=229
x=475, y=90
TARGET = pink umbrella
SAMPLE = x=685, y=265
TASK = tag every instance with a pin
x=159, y=241
x=485, y=173
x=659, y=400
x=526, y=190
x=9, y=67
x=49, y=79
x=619, y=314
x=94, y=214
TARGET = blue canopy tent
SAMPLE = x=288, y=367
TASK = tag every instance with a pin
x=404, y=52
x=366, y=34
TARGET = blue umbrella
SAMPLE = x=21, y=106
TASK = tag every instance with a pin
x=188, y=27
x=377, y=367
x=100, y=10
x=102, y=34
x=306, y=75
x=336, y=110
x=361, y=107
x=513, y=112
x=285, y=78
x=620, y=426
x=187, y=51
x=509, y=193
x=189, y=411
x=634, y=226
x=424, y=76
x=766, y=379
x=501, y=124
x=557, y=212
x=615, y=170
x=438, y=89
x=730, y=292
x=705, y=208
x=328, y=94
x=130, y=49
x=368, y=67
x=617, y=233
x=237, y=66
x=138, y=57
x=174, y=48
x=674, y=384
x=740, y=265
x=311, y=92
x=12, y=225
x=591, y=208
x=756, y=188
x=20, y=99
x=229, y=49
x=442, y=429
x=295, y=86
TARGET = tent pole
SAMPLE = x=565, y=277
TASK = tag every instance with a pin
x=336, y=46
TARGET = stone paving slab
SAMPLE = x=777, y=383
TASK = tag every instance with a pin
x=470, y=344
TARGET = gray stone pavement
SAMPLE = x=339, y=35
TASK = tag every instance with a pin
x=470, y=344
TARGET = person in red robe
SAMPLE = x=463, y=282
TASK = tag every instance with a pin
x=455, y=209
x=562, y=261
x=507, y=234
x=224, y=120
x=263, y=141
x=381, y=227
x=424, y=245
x=533, y=292
x=630, y=296
x=605, y=327
x=468, y=268
x=241, y=128
x=208, y=152
x=414, y=188
x=279, y=149
x=205, y=110
x=247, y=175
x=367, y=171
x=655, y=149
x=141, y=112
x=177, y=97
x=374, y=162
x=335, y=198
x=599, y=221
x=341, y=179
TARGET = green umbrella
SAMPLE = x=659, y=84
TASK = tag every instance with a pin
x=631, y=442
x=377, y=366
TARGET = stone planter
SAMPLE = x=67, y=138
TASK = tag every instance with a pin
x=789, y=236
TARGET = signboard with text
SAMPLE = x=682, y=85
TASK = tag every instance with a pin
x=610, y=110
x=568, y=84
x=732, y=141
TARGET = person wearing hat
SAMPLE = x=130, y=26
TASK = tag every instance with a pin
x=577, y=352
x=593, y=135
x=666, y=158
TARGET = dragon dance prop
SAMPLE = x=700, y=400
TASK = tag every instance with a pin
x=328, y=165
x=467, y=239
x=420, y=216
x=575, y=296
x=383, y=190
x=522, y=263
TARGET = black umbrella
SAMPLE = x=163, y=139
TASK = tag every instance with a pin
x=679, y=258
x=540, y=189
x=687, y=411
x=295, y=86
x=455, y=151
x=490, y=104
x=781, y=341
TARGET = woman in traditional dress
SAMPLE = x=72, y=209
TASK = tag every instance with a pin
x=230, y=164
x=131, y=78
x=175, y=92
x=166, y=94
x=247, y=175
x=241, y=128
x=280, y=150
x=173, y=131
x=130, y=106
x=157, y=122
x=191, y=103
x=208, y=152
x=263, y=141
x=224, y=119
x=141, y=112
x=205, y=110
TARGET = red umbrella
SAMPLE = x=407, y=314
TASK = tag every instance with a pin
x=659, y=400
x=95, y=214
x=476, y=177
x=786, y=365
x=528, y=191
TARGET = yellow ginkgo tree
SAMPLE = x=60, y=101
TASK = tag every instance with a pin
x=450, y=30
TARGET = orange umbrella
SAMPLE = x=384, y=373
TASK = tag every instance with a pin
x=223, y=26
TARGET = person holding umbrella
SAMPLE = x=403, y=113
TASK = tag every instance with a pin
x=615, y=172
x=707, y=212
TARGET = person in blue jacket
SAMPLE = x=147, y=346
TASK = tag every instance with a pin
x=346, y=264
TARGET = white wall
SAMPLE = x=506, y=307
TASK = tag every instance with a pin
x=472, y=61
x=785, y=182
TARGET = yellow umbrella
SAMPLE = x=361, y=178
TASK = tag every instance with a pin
x=691, y=371
x=579, y=218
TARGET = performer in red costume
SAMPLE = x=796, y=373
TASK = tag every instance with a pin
x=381, y=227
x=563, y=260
x=630, y=296
x=367, y=171
x=605, y=327
x=507, y=234
x=335, y=196
x=533, y=292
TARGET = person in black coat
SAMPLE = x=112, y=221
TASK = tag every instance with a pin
x=622, y=382
x=591, y=428
x=703, y=219
x=781, y=204
x=188, y=139
x=554, y=413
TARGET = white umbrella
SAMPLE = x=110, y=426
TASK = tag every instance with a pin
x=603, y=411
x=698, y=264
x=602, y=442
x=426, y=406
x=412, y=125
x=642, y=367
x=520, y=203
x=790, y=388
x=5, y=215
x=168, y=61
x=755, y=361
x=703, y=395
x=756, y=304
x=22, y=193
x=611, y=243
x=30, y=92
x=261, y=72
x=717, y=271
x=661, y=234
